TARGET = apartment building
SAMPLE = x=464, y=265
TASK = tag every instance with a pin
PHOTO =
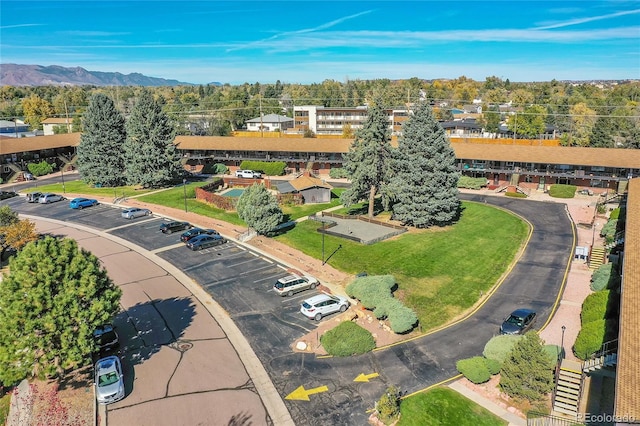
x=323, y=120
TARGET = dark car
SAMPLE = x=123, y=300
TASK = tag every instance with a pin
x=7, y=194
x=169, y=227
x=205, y=241
x=106, y=337
x=194, y=232
x=519, y=322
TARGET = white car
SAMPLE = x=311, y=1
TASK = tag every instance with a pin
x=134, y=212
x=323, y=304
x=109, y=380
x=49, y=198
x=250, y=174
x=294, y=283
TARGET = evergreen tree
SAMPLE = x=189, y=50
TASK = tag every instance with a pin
x=527, y=372
x=152, y=157
x=425, y=184
x=54, y=297
x=100, y=153
x=259, y=209
x=367, y=162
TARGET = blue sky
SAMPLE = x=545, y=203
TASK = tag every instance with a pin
x=308, y=41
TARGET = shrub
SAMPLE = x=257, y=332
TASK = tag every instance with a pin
x=498, y=347
x=594, y=307
x=515, y=195
x=388, y=406
x=608, y=231
x=338, y=173
x=269, y=168
x=371, y=290
x=590, y=339
x=493, y=366
x=615, y=214
x=347, y=339
x=40, y=169
x=471, y=182
x=527, y=372
x=604, y=277
x=402, y=318
x=474, y=369
x=562, y=191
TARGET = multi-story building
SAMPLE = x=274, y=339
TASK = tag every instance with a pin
x=332, y=120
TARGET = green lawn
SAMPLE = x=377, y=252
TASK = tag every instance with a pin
x=440, y=272
x=296, y=212
x=79, y=187
x=444, y=406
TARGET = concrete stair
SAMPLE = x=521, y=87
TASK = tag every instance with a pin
x=602, y=361
x=568, y=389
x=596, y=259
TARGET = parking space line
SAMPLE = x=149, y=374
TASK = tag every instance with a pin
x=165, y=248
x=269, y=278
x=129, y=224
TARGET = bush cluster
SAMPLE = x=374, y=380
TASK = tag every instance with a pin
x=40, y=169
x=609, y=229
x=515, y=194
x=347, y=339
x=590, y=338
x=499, y=347
x=604, y=277
x=478, y=369
x=215, y=169
x=269, y=168
x=388, y=406
x=469, y=182
x=594, y=307
x=374, y=292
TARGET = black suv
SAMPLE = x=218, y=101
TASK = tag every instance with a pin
x=194, y=232
x=7, y=194
x=169, y=227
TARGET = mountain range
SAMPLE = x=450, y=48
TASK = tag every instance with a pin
x=55, y=75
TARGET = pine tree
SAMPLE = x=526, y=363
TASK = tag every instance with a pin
x=259, y=209
x=54, y=297
x=100, y=153
x=152, y=158
x=425, y=181
x=527, y=372
x=367, y=162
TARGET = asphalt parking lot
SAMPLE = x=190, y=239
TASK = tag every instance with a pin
x=239, y=279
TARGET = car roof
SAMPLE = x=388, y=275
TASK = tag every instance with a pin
x=289, y=278
x=320, y=298
x=107, y=363
x=522, y=312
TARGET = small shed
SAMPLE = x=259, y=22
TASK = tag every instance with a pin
x=312, y=189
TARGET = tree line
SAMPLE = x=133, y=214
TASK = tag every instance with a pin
x=586, y=114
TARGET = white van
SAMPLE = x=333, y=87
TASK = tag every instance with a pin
x=250, y=174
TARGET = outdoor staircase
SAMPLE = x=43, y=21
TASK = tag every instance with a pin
x=597, y=257
x=608, y=360
x=568, y=388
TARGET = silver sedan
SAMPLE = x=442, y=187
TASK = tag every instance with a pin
x=133, y=212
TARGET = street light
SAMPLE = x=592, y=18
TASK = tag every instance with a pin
x=562, y=341
x=184, y=187
x=64, y=190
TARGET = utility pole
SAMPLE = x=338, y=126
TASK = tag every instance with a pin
x=261, y=129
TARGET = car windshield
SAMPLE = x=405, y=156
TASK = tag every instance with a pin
x=279, y=284
x=107, y=337
x=108, y=378
x=306, y=305
x=515, y=320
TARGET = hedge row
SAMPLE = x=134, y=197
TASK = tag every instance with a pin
x=471, y=182
x=269, y=168
x=594, y=307
x=374, y=292
x=605, y=277
x=214, y=169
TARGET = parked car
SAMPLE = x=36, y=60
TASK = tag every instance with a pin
x=250, y=174
x=294, y=283
x=109, y=380
x=81, y=203
x=323, y=304
x=32, y=197
x=7, y=194
x=519, y=322
x=194, y=232
x=205, y=241
x=169, y=227
x=106, y=337
x=133, y=212
x=48, y=197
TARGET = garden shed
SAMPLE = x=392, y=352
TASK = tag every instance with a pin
x=312, y=189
